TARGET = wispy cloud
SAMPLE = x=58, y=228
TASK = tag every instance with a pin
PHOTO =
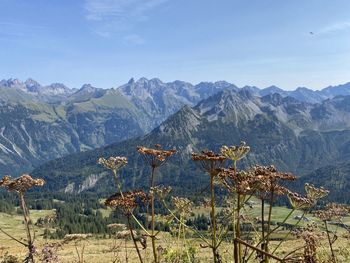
x=336, y=27
x=110, y=16
x=134, y=40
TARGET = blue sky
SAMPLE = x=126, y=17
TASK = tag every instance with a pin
x=247, y=42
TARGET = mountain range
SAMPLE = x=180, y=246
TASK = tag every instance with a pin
x=295, y=136
x=299, y=131
x=39, y=123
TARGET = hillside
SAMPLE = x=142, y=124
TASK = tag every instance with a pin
x=40, y=123
x=295, y=136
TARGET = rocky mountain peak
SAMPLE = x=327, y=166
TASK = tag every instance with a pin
x=12, y=83
x=88, y=88
x=131, y=81
x=32, y=86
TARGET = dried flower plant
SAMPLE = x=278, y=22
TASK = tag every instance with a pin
x=212, y=163
x=21, y=185
x=312, y=239
x=332, y=211
x=239, y=185
x=77, y=239
x=114, y=164
x=161, y=191
x=241, y=182
x=154, y=158
x=49, y=253
x=128, y=202
x=183, y=206
x=267, y=185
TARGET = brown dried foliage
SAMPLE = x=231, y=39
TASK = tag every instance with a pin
x=21, y=184
x=209, y=161
x=311, y=238
x=127, y=201
x=157, y=156
x=240, y=182
x=268, y=181
x=333, y=211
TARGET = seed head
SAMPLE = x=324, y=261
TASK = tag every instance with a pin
x=127, y=201
x=314, y=193
x=161, y=191
x=241, y=182
x=235, y=153
x=312, y=241
x=183, y=205
x=155, y=157
x=299, y=202
x=20, y=184
x=268, y=180
x=333, y=211
x=209, y=161
x=113, y=163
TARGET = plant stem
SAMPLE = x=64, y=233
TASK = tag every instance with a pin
x=13, y=238
x=153, y=238
x=27, y=222
x=77, y=250
x=259, y=250
x=237, y=246
x=236, y=224
x=186, y=226
x=329, y=241
x=290, y=231
x=213, y=218
x=134, y=239
x=268, y=227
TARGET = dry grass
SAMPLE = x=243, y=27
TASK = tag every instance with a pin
x=100, y=250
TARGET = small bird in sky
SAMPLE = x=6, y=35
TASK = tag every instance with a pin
x=311, y=33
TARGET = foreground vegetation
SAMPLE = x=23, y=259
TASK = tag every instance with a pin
x=233, y=219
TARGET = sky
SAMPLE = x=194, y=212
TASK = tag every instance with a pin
x=287, y=43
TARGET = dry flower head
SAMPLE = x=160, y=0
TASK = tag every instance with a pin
x=127, y=201
x=209, y=161
x=315, y=193
x=20, y=184
x=157, y=156
x=299, y=202
x=113, y=163
x=183, y=205
x=241, y=182
x=161, y=191
x=333, y=211
x=268, y=180
x=235, y=153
